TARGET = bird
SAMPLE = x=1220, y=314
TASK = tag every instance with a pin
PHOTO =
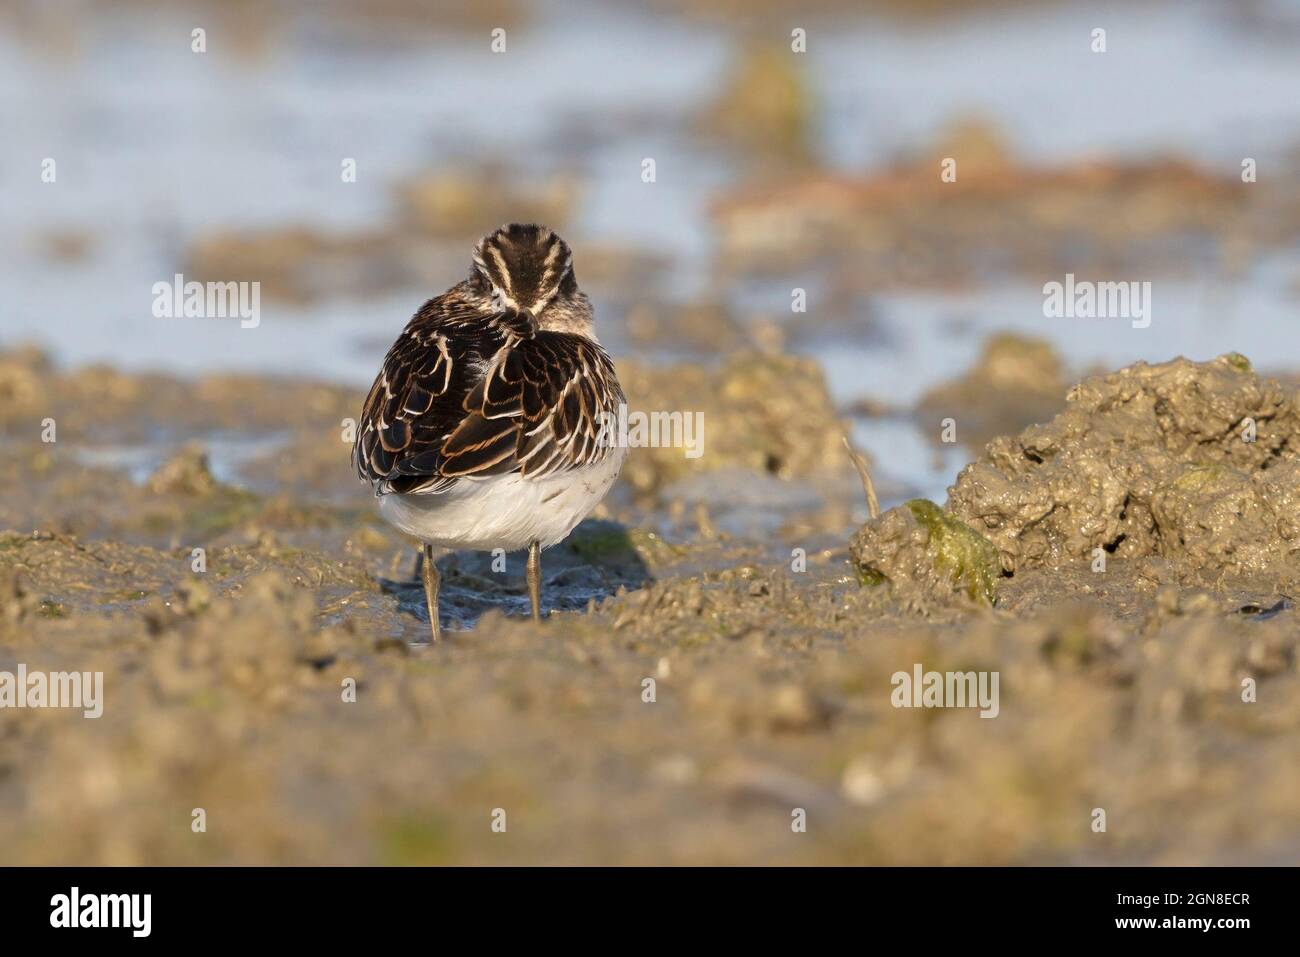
x=486, y=426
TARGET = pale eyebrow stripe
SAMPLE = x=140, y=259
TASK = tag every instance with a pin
x=553, y=275
x=501, y=264
x=552, y=254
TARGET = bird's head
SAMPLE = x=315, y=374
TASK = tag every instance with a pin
x=525, y=274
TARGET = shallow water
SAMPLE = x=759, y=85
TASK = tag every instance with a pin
x=226, y=453
x=157, y=145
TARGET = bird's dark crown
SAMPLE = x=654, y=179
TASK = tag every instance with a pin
x=524, y=267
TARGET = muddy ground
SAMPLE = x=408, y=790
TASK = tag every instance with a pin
x=770, y=643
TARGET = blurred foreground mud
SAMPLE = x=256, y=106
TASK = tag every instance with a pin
x=694, y=685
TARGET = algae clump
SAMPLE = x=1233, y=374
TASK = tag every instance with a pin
x=1238, y=362
x=926, y=553
x=968, y=557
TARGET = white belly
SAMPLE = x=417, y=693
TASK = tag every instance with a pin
x=504, y=511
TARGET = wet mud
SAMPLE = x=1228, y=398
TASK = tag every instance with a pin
x=1192, y=463
x=694, y=683
x=435, y=217
x=1016, y=381
x=921, y=225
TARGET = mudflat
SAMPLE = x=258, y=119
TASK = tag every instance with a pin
x=716, y=683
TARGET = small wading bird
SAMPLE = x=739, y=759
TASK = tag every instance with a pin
x=483, y=428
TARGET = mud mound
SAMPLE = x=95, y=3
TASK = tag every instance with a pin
x=765, y=107
x=925, y=553
x=747, y=406
x=22, y=385
x=1017, y=381
x=1193, y=462
x=905, y=227
x=185, y=473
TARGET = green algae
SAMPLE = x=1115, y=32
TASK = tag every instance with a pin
x=52, y=609
x=925, y=553
x=1238, y=362
x=414, y=841
x=868, y=577
x=968, y=558
x=598, y=541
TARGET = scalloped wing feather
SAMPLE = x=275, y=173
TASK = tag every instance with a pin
x=460, y=398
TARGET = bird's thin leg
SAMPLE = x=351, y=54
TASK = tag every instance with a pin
x=535, y=579
x=419, y=564
x=431, y=582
